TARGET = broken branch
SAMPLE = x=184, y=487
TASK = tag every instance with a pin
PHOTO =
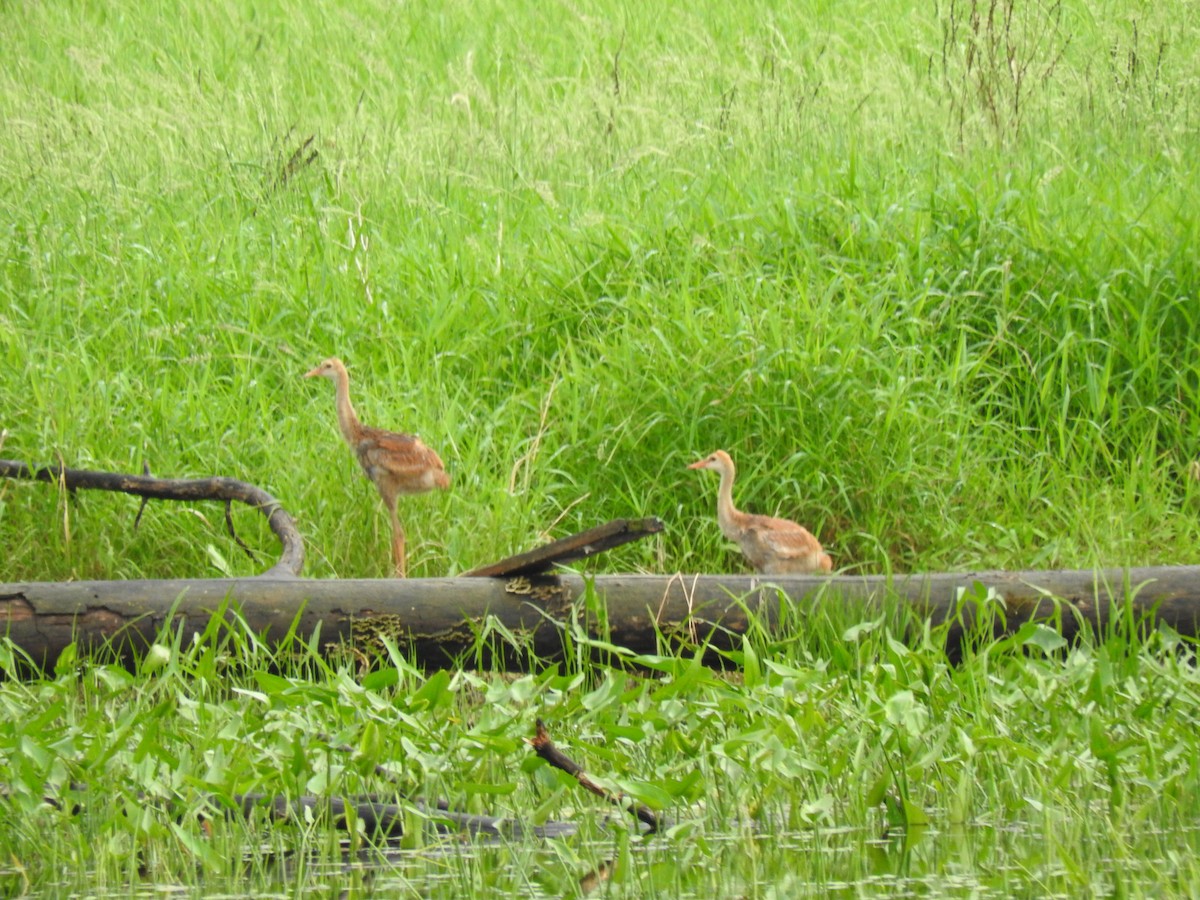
x=544, y=747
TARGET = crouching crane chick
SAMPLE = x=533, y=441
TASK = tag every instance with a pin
x=396, y=463
x=773, y=546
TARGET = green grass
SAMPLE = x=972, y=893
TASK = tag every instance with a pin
x=577, y=251
x=932, y=284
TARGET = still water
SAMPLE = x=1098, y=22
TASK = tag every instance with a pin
x=979, y=861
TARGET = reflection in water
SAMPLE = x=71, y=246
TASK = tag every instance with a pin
x=977, y=861
x=1066, y=859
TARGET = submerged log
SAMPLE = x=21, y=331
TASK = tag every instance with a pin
x=382, y=816
x=437, y=620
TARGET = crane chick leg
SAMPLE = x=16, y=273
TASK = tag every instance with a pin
x=398, y=555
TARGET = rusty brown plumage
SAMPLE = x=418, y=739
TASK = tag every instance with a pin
x=396, y=463
x=773, y=546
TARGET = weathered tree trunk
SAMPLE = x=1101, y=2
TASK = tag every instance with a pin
x=437, y=619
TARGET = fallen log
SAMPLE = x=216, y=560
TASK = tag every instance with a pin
x=438, y=619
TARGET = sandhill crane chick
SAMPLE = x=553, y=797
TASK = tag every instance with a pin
x=773, y=546
x=396, y=463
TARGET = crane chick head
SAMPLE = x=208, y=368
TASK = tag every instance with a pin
x=330, y=368
x=718, y=461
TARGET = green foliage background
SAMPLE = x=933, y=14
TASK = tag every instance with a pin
x=940, y=307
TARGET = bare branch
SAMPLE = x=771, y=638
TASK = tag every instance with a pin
x=291, y=559
x=544, y=747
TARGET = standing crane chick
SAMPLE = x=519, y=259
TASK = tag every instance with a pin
x=396, y=463
x=773, y=546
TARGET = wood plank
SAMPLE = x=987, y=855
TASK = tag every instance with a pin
x=569, y=549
